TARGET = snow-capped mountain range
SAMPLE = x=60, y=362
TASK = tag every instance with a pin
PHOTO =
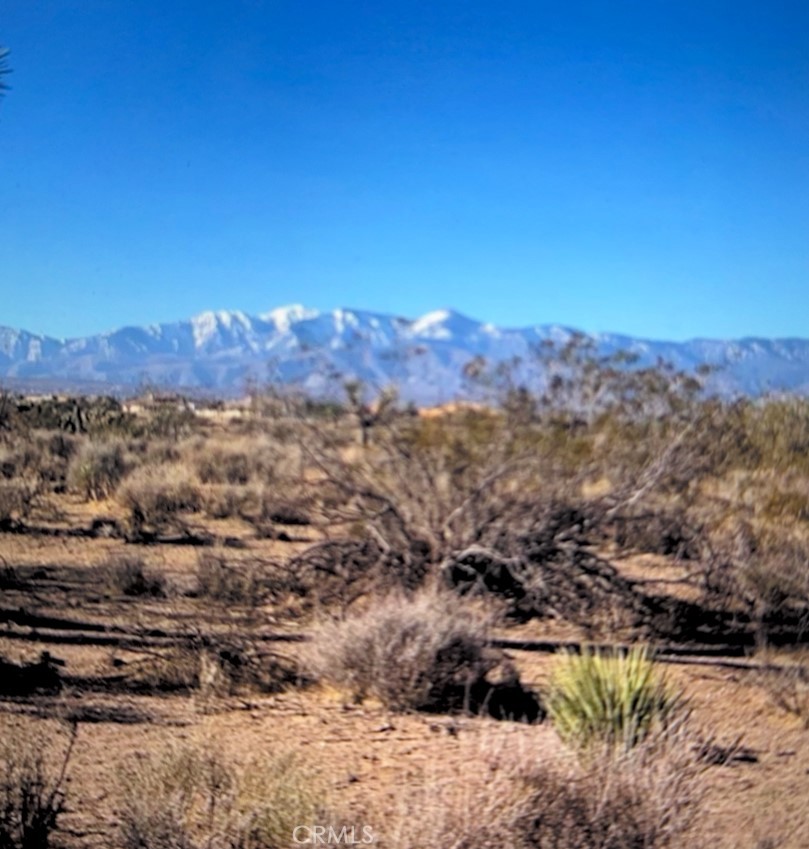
x=221, y=352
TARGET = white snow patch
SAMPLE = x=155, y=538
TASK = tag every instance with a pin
x=431, y=324
x=284, y=317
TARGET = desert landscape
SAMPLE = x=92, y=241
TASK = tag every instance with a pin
x=568, y=620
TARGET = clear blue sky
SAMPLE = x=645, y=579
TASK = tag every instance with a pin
x=641, y=167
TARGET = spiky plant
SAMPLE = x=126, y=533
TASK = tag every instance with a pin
x=609, y=697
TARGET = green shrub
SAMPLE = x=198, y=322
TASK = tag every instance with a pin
x=608, y=697
x=97, y=468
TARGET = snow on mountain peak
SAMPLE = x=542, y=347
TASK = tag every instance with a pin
x=433, y=324
x=443, y=324
x=284, y=317
x=425, y=356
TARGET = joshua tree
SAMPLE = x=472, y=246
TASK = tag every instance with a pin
x=367, y=414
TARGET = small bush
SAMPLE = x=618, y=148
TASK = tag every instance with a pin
x=32, y=789
x=764, y=575
x=226, y=501
x=606, y=697
x=156, y=495
x=128, y=576
x=424, y=653
x=642, y=798
x=647, y=797
x=232, y=666
x=218, y=581
x=190, y=798
x=16, y=499
x=172, y=670
x=220, y=464
x=787, y=685
x=97, y=468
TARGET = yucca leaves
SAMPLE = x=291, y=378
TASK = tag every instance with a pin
x=608, y=697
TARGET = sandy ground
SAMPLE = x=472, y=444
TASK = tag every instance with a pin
x=370, y=758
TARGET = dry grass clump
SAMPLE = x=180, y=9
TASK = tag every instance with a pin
x=641, y=798
x=647, y=797
x=127, y=575
x=786, y=681
x=221, y=582
x=775, y=579
x=231, y=666
x=97, y=468
x=762, y=573
x=225, y=501
x=176, y=669
x=194, y=797
x=214, y=666
x=609, y=698
x=32, y=788
x=428, y=652
x=238, y=462
x=155, y=495
x=16, y=500
x=224, y=464
x=38, y=456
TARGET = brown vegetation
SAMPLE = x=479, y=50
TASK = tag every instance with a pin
x=171, y=572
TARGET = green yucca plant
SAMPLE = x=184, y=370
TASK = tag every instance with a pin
x=609, y=697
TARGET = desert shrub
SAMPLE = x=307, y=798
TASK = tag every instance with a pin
x=780, y=505
x=428, y=652
x=647, y=797
x=213, y=666
x=291, y=508
x=190, y=798
x=223, y=501
x=174, y=669
x=222, y=464
x=764, y=575
x=218, y=581
x=97, y=468
x=641, y=798
x=155, y=495
x=598, y=697
x=16, y=499
x=26, y=457
x=157, y=452
x=235, y=665
x=779, y=432
x=787, y=685
x=658, y=531
x=127, y=575
x=32, y=788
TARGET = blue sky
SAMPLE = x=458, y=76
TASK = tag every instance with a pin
x=640, y=167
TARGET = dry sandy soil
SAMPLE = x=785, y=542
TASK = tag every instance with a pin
x=371, y=758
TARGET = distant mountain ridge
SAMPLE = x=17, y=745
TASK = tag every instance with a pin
x=220, y=352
